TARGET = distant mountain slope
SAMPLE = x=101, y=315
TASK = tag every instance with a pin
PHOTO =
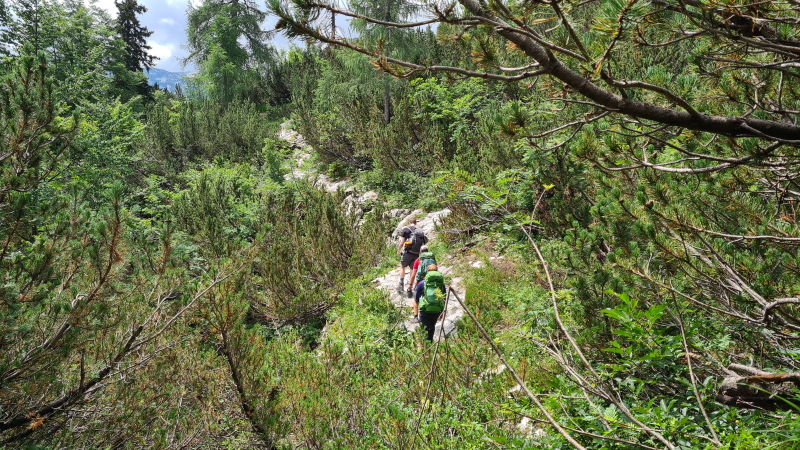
x=165, y=79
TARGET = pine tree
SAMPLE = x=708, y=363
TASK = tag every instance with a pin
x=5, y=22
x=135, y=36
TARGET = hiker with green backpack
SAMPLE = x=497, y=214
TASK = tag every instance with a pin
x=431, y=298
x=418, y=272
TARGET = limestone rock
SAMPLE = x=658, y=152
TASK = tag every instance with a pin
x=289, y=135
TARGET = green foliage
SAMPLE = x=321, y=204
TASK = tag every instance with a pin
x=93, y=299
x=452, y=107
x=311, y=245
x=218, y=209
x=161, y=284
x=86, y=54
x=82, y=314
x=435, y=124
x=106, y=137
x=182, y=133
x=227, y=42
x=136, y=58
x=36, y=140
x=369, y=385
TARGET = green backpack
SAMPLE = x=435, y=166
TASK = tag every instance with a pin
x=425, y=260
x=432, y=300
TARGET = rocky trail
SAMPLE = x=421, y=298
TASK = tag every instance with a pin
x=448, y=325
x=388, y=282
x=299, y=168
x=427, y=221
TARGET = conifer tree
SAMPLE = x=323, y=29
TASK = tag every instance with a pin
x=72, y=320
x=31, y=24
x=79, y=42
x=5, y=21
x=137, y=58
x=391, y=40
x=227, y=41
x=34, y=142
x=245, y=24
x=511, y=43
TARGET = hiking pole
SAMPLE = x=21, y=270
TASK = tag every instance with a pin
x=444, y=314
x=517, y=378
x=432, y=371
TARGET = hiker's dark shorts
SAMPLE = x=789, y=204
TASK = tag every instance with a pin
x=408, y=259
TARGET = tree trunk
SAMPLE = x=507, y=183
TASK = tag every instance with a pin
x=760, y=390
x=387, y=99
x=387, y=102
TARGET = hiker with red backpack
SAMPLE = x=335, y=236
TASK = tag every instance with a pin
x=431, y=295
x=411, y=241
x=418, y=272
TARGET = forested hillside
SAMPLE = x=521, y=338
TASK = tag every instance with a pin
x=623, y=190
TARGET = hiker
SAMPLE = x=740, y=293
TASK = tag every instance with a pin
x=418, y=272
x=431, y=296
x=411, y=241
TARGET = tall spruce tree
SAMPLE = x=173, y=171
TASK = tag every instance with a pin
x=137, y=58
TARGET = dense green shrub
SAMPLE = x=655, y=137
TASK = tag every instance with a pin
x=310, y=245
x=183, y=133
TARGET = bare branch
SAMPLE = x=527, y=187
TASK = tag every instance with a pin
x=776, y=303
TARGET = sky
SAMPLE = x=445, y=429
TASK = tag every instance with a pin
x=167, y=20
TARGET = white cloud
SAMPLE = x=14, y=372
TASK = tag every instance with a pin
x=108, y=5
x=161, y=51
x=167, y=21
